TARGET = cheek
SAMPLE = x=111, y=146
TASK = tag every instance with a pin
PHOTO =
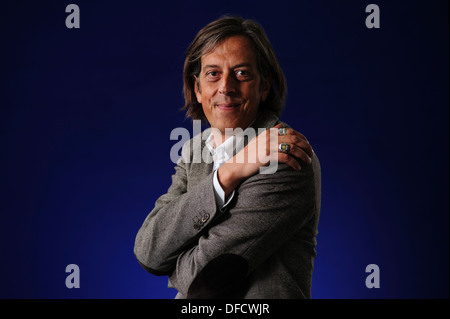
x=254, y=96
x=254, y=91
x=205, y=110
x=205, y=94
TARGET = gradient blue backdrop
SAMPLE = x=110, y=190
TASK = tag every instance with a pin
x=86, y=114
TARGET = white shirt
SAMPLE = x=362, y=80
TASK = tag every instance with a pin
x=220, y=155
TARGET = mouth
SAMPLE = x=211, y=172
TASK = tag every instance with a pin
x=227, y=106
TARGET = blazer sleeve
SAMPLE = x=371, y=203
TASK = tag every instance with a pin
x=268, y=211
x=176, y=222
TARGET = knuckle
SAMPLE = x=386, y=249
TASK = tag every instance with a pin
x=292, y=138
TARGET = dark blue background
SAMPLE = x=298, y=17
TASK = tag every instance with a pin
x=86, y=115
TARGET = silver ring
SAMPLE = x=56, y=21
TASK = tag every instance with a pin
x=284, y=147
x=282, y=131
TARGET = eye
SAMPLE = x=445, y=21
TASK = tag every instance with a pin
x=243, y=74
x=212, y=75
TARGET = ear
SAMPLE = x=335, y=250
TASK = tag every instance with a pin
x=266, y=89
x=198, y=93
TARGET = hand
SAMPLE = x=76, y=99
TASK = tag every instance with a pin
x=299, y=148
x=260, y=151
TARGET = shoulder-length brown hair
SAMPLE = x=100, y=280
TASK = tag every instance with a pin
x=212, y=35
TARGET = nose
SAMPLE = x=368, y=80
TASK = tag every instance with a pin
x=227, y=85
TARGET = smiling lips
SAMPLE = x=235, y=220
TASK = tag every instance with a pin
x=227, y=106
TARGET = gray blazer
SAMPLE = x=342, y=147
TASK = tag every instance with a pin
x=261, y=246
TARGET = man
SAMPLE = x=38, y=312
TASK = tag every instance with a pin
x=225, y=228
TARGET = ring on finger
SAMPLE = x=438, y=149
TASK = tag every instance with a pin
x=282, y=131
x=284, y=148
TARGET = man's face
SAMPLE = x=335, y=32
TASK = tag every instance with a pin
x=230, y=89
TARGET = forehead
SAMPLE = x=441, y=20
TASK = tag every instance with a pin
x=235, y=49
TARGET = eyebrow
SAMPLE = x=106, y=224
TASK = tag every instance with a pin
x=240, y=65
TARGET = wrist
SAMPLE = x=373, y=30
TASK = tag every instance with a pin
x=228, y=178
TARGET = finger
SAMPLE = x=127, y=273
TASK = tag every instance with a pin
x=280, y=125
x=300, y=154
x=289, y=160
x=305, y=146
x=291, y=131
x=297, y=138
x=300, y=143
